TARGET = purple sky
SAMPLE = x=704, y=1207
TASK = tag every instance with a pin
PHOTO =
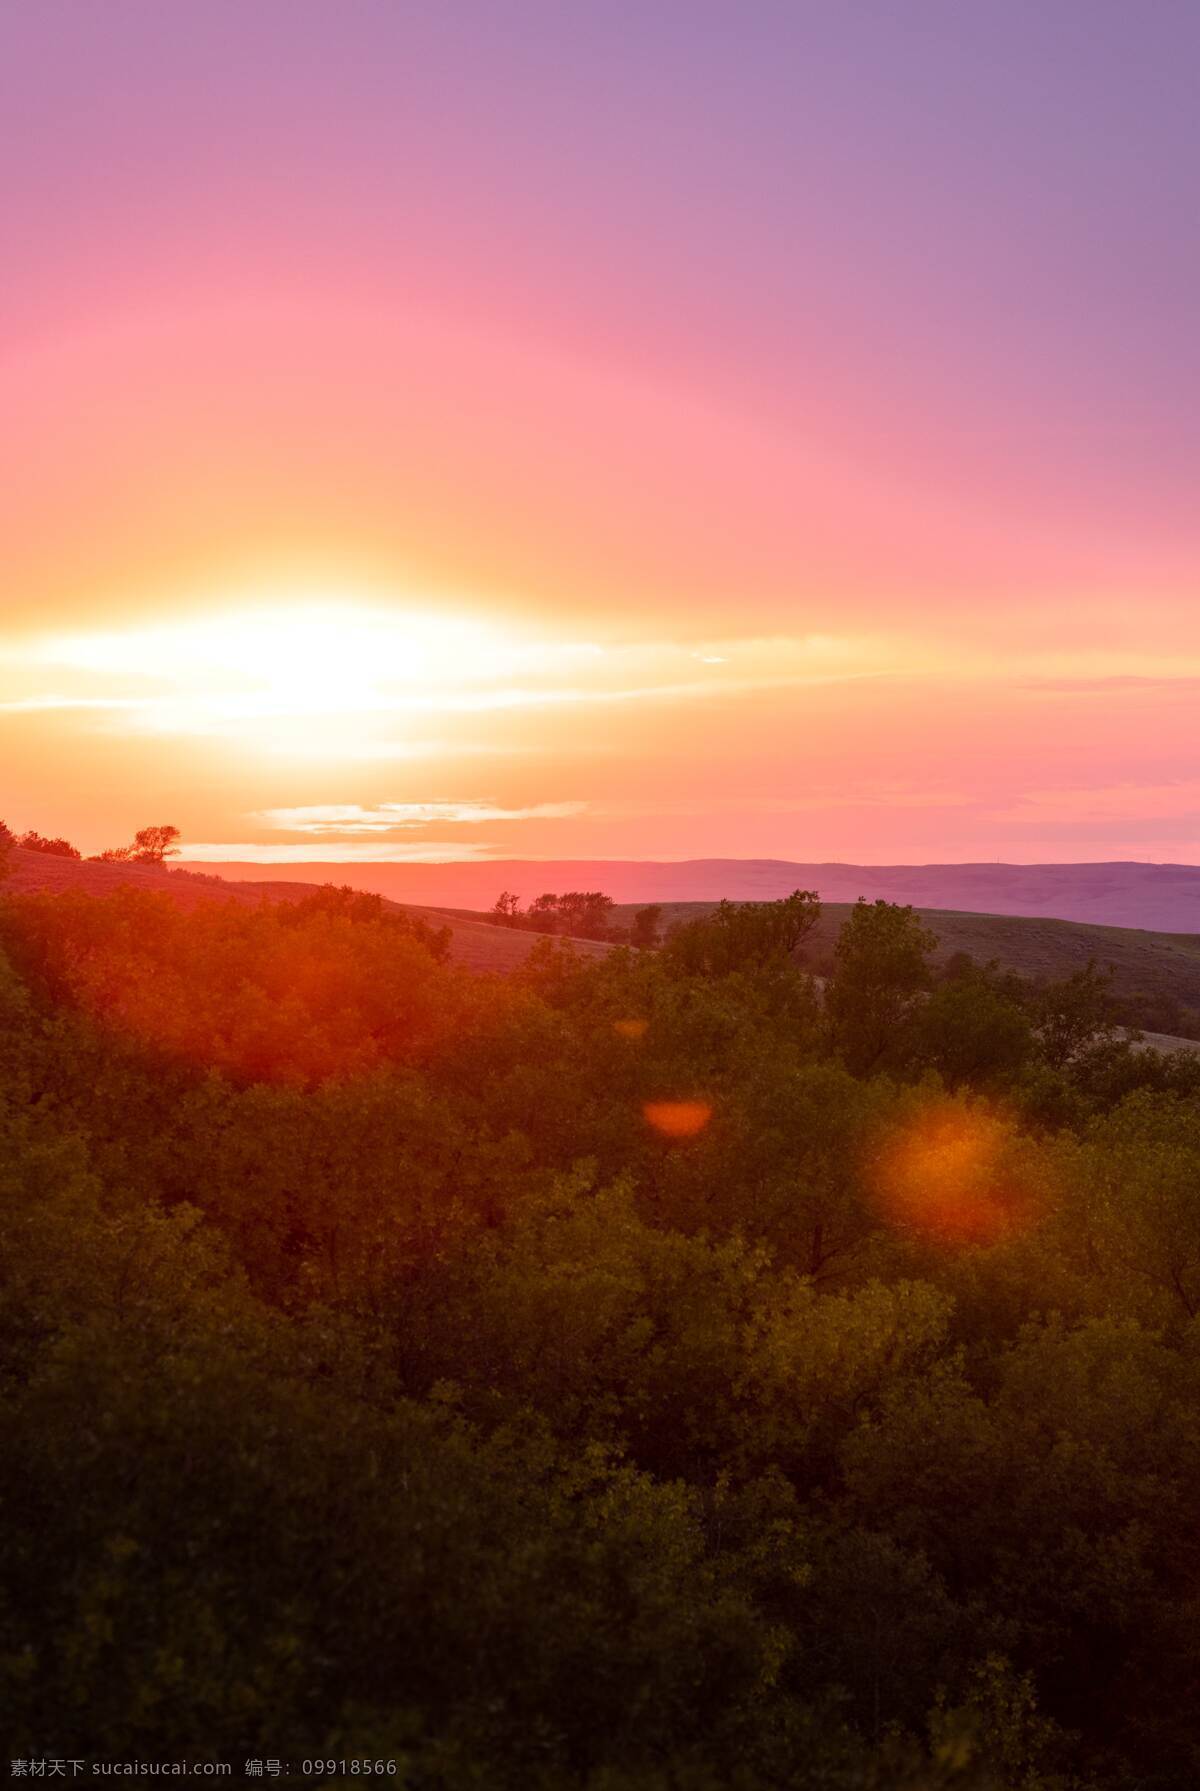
x=656, y=326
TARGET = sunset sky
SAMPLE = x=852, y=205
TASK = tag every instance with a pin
x=570, y=429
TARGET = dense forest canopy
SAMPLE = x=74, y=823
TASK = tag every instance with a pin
x=648, y=1373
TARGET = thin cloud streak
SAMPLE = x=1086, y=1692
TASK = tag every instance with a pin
x=349, y=818
x=50, y=702
x=338, y=852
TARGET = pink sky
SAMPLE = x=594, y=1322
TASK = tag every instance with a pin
x=514, y=429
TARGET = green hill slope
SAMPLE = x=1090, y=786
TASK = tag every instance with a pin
x=1156, y=976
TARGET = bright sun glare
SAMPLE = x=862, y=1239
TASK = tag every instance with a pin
x=308, y=651
x=274, y=670
x=308, y=675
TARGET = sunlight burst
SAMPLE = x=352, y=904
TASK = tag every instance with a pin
x=310, y=655
x=309, y=674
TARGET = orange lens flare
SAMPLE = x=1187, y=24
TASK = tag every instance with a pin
x=630, y=1029
x=270, y=994
x=956, y=1177
x=678, y=1119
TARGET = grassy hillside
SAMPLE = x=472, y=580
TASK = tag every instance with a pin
x=1156, y=976
x=474, y=944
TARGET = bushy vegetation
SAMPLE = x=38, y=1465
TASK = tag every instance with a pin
x=579, y=914
x=151, y=845
x=51, y=847
x=642, y=1374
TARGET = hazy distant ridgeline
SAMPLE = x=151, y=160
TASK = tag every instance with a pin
x=1156, y=975
x=1162, y=897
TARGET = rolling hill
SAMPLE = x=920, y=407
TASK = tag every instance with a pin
x=1163, y=897
x=474, y=943
x=1156, y=974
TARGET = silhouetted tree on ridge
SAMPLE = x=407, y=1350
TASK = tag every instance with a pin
x=151, y=845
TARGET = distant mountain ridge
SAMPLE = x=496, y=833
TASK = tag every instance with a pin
x=1156, y=974
x=1157, y=897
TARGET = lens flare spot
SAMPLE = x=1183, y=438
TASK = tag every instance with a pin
x=678, y=1119
x=630, y=1029
x=957, y=1177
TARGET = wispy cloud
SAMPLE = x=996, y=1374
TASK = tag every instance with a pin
x=349, y=818
x=338, y=852
x=1112, y=684
x=51, y=700
x=1117, y=803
